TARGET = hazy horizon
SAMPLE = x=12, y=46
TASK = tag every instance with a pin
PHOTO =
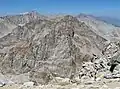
x=109, y=8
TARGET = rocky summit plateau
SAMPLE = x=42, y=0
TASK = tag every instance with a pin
x=58, y=52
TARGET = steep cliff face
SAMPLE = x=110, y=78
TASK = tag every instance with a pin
x=52, y=46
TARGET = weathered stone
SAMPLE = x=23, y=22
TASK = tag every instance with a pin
x=2, y=83
x=20, y=79
x=39, y=77
x=28, y=84
x=117, y=88
x=89, y=82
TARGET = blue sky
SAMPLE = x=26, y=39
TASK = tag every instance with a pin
x=97, y=7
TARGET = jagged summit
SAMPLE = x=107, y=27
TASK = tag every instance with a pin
x=21, y=19
x=24, y=13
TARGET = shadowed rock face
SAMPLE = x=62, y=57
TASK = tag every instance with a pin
x=53, y=46
x=112, y=53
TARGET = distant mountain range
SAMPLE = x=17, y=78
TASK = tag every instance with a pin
x=110, y=20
